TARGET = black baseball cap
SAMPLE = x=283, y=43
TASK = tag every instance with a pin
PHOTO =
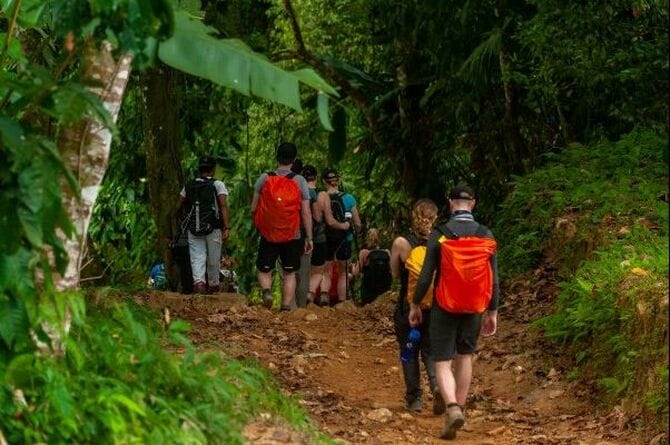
x=206, y=163
x=309, y=171
x=286, y=153
x=462, y=191
x=329, y=173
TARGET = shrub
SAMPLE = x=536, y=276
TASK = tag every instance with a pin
x=117, y=382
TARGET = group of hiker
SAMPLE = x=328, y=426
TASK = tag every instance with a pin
x=448, y=278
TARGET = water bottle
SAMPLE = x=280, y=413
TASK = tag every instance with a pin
x=411, y=345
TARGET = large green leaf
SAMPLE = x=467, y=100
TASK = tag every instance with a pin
x=231, y=63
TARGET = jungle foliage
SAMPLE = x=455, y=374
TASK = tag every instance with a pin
x=599, y=213
x=128, y=378
x=424, y=95
x=113, y=374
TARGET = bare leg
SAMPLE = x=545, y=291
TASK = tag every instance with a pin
x=288, y=289
x=265, y=280
x=327, y=278
x=445, y=381
x=462, y=377
x=315, y=279
x=342, y=280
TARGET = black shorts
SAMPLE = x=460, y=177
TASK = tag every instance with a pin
x=319, y=254
x=338, y=249
x=289, y=253
x=402, y=327
x=452, y=334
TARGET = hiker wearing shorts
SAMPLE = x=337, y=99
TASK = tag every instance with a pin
x=464, y=305
x=407, y=257
x=204, y=199
x=318, y=256
x=279, y=206
x=339, y=211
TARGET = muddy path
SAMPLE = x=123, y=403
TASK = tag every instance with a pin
x=343, y=365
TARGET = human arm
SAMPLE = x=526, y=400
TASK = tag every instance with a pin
x=181, y=199
x=257, y=192
x=356, y=218
x=225, y=216
x=431, y=262
x=490, y=317
x=489, y=323
x=305, y=213
x=362, y=261
x=306, y=216
x=399, y=251
x=254, y=203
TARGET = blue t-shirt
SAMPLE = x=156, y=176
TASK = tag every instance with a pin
x=349, y=203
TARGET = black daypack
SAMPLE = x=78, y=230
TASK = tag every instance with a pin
x=337, y=207
x=204, y=211
x=377, y=277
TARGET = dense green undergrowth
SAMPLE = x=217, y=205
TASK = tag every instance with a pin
x=600, y=214
x=127, y=377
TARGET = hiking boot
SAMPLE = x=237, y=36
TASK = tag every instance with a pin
x=213, y=289
x=439, y=406
x=415, y=405
x=200, y=288
x=454, y=422
x=267, y=298
x=324, y=299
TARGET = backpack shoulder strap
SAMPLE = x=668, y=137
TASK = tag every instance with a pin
x=412, y=240
x=290, y=176
x=447, y=231
x=481, y=231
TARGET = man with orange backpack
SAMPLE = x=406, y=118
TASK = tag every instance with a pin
x=408, y=253
x=280, y=203
x=461, y=253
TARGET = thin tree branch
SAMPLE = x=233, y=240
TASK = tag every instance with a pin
x=329, y=72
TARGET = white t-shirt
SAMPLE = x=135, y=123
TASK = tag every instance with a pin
x=218, y=185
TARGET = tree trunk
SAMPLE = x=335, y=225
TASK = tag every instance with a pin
x=511, y=121
x=85, y=150
x=163, y=149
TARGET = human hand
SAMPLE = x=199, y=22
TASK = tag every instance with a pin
x=225, y=235
x=309, y=246
x=415, y=315
x=489, y=323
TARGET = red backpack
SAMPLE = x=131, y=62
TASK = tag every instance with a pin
x=277, y=216
x=466, y=277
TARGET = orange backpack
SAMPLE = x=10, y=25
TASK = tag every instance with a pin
x=277, y=215
x=466, y=277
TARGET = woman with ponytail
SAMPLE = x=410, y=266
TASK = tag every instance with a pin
x=407, y=255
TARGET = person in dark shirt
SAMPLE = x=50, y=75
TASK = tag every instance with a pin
x=454, y=335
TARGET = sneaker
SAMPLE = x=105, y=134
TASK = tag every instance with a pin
x=415, y=405
x=285, y=308
x=324, y=299
x=213, y=289
x=267, y=298
x=200, y=288
x=454, y=422
x=438, y=404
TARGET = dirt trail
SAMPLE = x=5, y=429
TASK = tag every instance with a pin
x=343, y=363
